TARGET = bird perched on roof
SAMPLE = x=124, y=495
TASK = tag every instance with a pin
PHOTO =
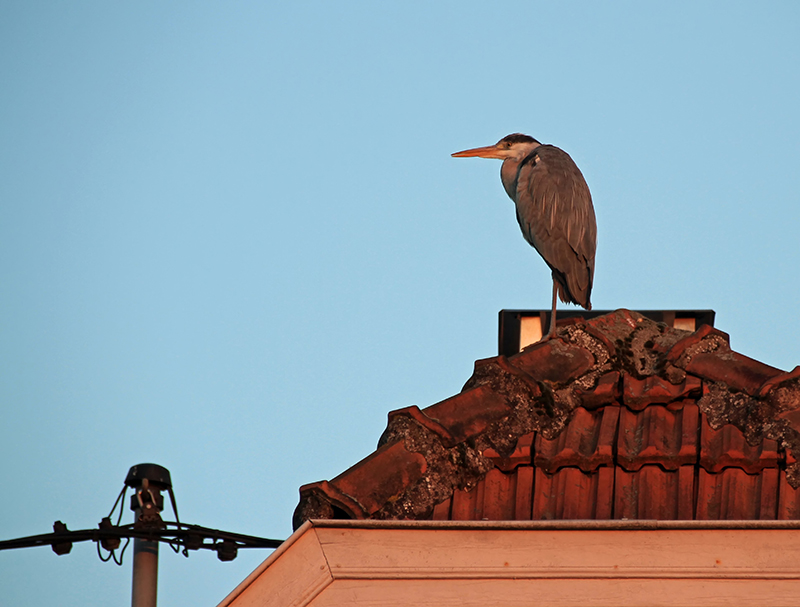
x=554, y=210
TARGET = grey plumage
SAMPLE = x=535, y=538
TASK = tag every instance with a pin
x=554, y=211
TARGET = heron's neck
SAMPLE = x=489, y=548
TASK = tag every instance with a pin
x=509, y=174
x=509, y=171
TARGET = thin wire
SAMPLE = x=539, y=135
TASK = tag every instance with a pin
x=122, y=507
x=112, y=553
x=114, y=507
x=121, y=554
x=99, y=554
x=176, y=546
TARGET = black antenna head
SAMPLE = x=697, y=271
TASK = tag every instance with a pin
x=156, y=475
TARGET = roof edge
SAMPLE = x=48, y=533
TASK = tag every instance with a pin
x=553, y=525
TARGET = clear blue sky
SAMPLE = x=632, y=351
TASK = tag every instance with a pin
x=232, y=237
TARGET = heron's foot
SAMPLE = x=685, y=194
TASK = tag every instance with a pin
x=550, y=335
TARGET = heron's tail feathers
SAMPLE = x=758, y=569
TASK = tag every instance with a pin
x=573, y=290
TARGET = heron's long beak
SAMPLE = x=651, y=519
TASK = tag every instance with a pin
x=490, y=151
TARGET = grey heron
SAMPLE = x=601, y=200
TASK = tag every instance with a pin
x=554, y=210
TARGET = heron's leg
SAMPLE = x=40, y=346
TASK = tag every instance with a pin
x=552, y=330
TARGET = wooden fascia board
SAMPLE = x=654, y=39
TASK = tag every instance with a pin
x=330, y=563
x=295, y=573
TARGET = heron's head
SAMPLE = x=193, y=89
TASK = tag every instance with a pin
x=511, y=147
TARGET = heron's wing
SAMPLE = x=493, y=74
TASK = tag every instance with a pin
x=555, y=212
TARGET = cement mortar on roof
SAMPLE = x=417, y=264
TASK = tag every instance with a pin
x=710, y=343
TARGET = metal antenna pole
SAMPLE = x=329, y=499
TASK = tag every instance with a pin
x=148, y=481
x=144, y=591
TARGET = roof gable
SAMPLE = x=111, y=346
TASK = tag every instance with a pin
x=617, y=417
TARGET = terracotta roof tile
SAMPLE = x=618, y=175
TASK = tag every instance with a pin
x=687, y=346
x=461, y=416
x=470, y=412
x=735, y=495
x=493, y=499
x=520, y=455
x=393, y=464
x=654, y=493
x=783, y=393
x=792, y=417
x=414, y=412
x=523, y=500
x=614, y=328
x=586, y=443
x=737, y=371
x=788, y=499
x=323, y=500
x=616, y=417
x=728, y=448
x=657, y=435
x=606, y=390
x=553, y=361
x=573, y=494
x=791, y=379
x=498, y=496
x=639, y=393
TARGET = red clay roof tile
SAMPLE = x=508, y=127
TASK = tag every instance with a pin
x=728, y=448
x=553, y=361
x=469, y=413
x=657, y=435
x=605, y=340
x=737, y=371
x=573, y=494
x=735, y=495
x=520, y=456
x=322, y=498
x=792, y=378
x=639, y=393
x=782, y=392
x=654, y=493
x=586, y=443
x=688, y=345
x=392, y=465
x=606, y=390
x=614, y=328
x=788, y=499
x=498, y=496
x=792, y=417
x=523, y=500
x=423, y=420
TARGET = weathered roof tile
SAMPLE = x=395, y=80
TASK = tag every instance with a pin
x=788, y=500
x=658, y=435
x=737, y=371
x=586, y=443
x=654, y=493
x=570, y=493
x=639, y=393
x=605, y=391
x=735, y=495
x=520, y=456
x=553, y=361
x=469, y=413
x=692, y=343
x=728, y=448
x=392, y=465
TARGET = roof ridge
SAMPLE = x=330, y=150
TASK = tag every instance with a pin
x=661, y=380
